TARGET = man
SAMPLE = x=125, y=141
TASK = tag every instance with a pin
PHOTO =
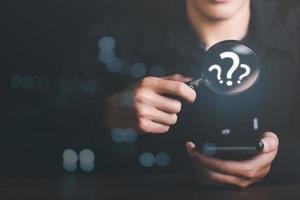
x=177, y=42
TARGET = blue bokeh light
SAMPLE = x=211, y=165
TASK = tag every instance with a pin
x=69, y=167
x=209, y=149
x=157, y=71
x=147, y=159
x=89, y=87
x=27, y=82
x=162, y=159
x=15, y=81
x=116, y=135
x=130, y=135
x=138, y=70
x=115, y=65
x=106, y=56
x=107, y=43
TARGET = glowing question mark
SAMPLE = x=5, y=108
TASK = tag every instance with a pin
x=236, y=61
x=219, y=70
x=247, y=72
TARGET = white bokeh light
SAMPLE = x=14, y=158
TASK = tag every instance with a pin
x=255, y=124
x=70, y=156
x=226, y=131
x=87, y=156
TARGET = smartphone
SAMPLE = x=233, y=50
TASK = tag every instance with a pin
x=232, y=152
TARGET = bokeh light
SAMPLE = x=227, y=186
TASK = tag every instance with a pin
x=87, y=167
x=16, y=81
x=125, y=68
x=147, y=159
x=130, y=135
x=115, y=65
x=162, y=159
x=138, y=70
x=27, y=82
x=226, y=131
x=209, y=149
x=116, y=135
x=69, y=167
x=37, y=83
x=106, y=56
x=107, y=43
x=70, y=156
x=86, y=156
x=89, y=87
x=255, y=124
x=157, y=71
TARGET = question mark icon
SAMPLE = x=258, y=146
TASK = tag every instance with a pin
x=219, y=70
x=228, y=68
x=236, y=60
x=235, y=64
x=247, y=72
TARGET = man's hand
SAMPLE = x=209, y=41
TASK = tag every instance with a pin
x=236, y=173
x=145, y=107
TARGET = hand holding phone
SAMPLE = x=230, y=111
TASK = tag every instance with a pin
x=241, y=173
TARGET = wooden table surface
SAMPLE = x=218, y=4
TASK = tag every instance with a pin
x=152, y=187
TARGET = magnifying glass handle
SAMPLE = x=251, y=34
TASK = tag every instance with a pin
x=194, y=83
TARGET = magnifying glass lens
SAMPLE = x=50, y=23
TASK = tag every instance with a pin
x=229, y=68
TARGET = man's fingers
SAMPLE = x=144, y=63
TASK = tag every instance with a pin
x=166, y=104
x=162, y=117
x=172, y=87
x=225, y=179
x=245, y=168
x=148, y=126
x=176, y=88
x=270, y=141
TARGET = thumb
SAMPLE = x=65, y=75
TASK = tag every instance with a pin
x=270, y=141
x=190, y=146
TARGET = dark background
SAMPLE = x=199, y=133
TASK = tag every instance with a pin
x=38, y=37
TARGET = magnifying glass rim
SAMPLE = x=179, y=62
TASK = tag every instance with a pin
x=222, y=43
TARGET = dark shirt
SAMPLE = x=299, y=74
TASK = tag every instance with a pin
x=166, y=44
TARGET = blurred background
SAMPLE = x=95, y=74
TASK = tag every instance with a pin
x=38, y=37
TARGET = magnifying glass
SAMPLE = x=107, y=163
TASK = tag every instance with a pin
x=229, y=68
